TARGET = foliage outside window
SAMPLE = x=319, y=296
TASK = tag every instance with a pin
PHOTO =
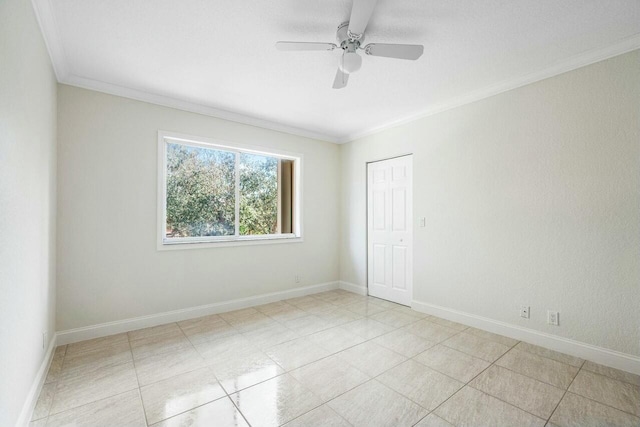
x=214, y=193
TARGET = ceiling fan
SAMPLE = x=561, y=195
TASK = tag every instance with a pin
x=350, y=37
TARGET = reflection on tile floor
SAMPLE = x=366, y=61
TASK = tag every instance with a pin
x=328, y=359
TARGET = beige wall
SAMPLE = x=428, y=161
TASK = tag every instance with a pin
x=109, y=268
x=27, y=203
x=531, y=197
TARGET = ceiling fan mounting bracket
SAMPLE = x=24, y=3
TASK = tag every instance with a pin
x=346, y=38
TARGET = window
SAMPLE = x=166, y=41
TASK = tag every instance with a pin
x=217, y=193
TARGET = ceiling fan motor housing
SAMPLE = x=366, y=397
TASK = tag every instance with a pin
x=342, y=36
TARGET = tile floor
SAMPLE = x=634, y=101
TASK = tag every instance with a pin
x=330, y=359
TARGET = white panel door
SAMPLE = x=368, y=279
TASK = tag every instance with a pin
x=390, y=231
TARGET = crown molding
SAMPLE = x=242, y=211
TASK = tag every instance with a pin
x=192, y=107
x=46, y=20
x=577, y=61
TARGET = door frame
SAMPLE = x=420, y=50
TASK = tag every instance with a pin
x=366, y=218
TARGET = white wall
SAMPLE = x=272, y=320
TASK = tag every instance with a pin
x=531, y=198
x=27, y=203
x=109, y=268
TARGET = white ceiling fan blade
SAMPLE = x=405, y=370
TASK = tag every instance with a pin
x=360, y=14
x=304, y=46
x=399, y=51
x=341, y=80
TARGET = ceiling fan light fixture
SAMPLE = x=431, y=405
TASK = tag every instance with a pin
x=351, y=62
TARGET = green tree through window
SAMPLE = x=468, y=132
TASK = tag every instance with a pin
x=201, y=192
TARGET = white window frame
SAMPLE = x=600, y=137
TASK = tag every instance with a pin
x=163, y=243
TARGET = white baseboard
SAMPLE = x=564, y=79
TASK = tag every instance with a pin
x=604, y=356
x=351, y=287
x=104, y=329
x=36, y=386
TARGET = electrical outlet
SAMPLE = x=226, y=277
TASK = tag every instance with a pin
x=423, y=222
x=553, y=318
x=297, y=278
x=44, y=340
x=524, y=311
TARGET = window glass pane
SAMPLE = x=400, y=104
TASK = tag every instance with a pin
x=200, y=192
x=258, y=194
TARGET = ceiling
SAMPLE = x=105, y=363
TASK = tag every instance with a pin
x=218, y=57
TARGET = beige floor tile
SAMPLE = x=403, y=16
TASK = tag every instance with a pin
x=373, y=404
x=432, y=420
x=273, y=307
x=453, y=363
x=254, y=322
x=317, y=306
x=97, y=385
x=533, y=396
x=329, y=377
x=44, y=402
x=367, y=328
x=349, y=299
x=382, y=303
x=335, y=339
x=476, y=347
x=121, y=410
x=153, y=330
x=620, y=395
x=347, y=340
x=322, y=416
x=364, y=308
x=244, y=371
x=422, y=385
x=470, y=407
x=577, y=411
x=410, y=312
x=228, y=347
x=307, y=299
x=275, y=402
x=88, y=361
x=271, y=336
x=95, y=344
x=178, y=394
x=394, y=318
x=201, y=332
x=156, y=368
x=540, y=368
x=288, y=313
x=203, y=320
x=219, y=413
x=404, y=342
x=430, y=331
x=448, y=323
x=339, y=316
x=616, y=374
x=60, y=351
x=550, y=354
x=238, y=314
x=307, y=325
x=509, y=342
x=159, y=344
x=371, y=358
x=55, y=369
x=296, y=353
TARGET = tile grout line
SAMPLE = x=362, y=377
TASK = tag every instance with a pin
x=467, y=385
x=135, y=371
x=237, y=330
x=590, y=399
x=564, y=394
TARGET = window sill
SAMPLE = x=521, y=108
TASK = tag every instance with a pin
x=248, y=241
